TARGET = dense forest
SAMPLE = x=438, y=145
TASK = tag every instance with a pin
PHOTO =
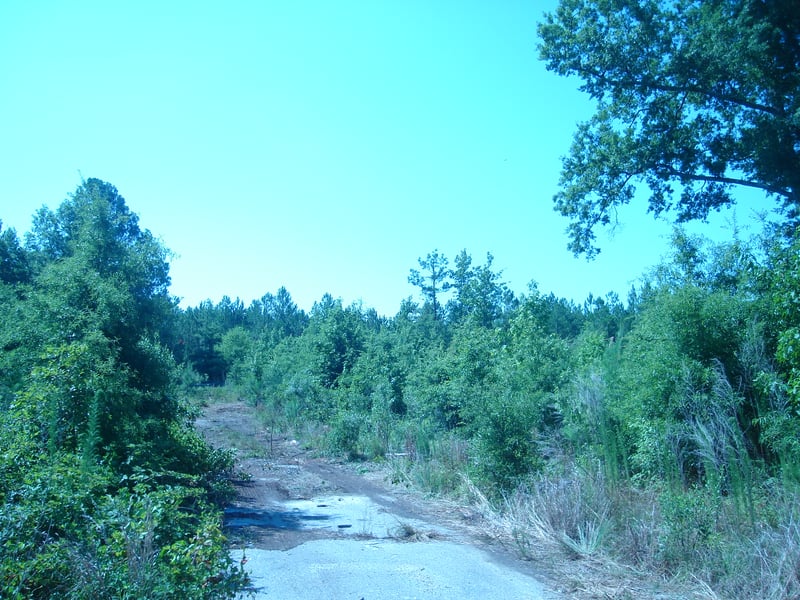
x=660, y=431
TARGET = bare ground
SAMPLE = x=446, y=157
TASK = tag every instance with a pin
x=274, y=468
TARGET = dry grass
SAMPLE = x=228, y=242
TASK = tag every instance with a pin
x=611, y=542
x=572, y=526
x=762, y=564
x=571, y=512
x=405, y=532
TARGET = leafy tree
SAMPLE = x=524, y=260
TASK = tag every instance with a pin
x=103, y=483
x=276, y=316
x=698, y=96
x=97, y=224
x=14, y=267
x=684, y=349
x=786, y=297
x=433, y=281
x=508, y=383
x=462, y=275
x=199, y=332
x=781, y=383
x=337, y=339
x=237, y=348
x=554, y=315
x=606, y=315
x=98, y=303
x=463, y=375
x=231, y=312
x=94, y=234
x=16, y=355
x=480, y=294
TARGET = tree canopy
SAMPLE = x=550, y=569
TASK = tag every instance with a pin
x=694, y=98
x=95, y=430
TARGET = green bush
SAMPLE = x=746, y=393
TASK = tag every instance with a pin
x=73, y=533
x=505, y=441
x=345, y=434
x=691, y=528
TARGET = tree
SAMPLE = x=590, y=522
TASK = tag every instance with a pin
x=98, y=304
x=479, y=293
x=276, y=315
x=14, y=266
x=337, y=339
x=786, y=302
x=695, y=96
x=433, y=281
x=97, y=452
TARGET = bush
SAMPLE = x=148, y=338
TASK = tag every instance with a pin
x=73, y=533
x=571, y=510
x=505, y=441
x=345, y=434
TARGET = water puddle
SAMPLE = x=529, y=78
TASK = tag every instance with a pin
x=350, y=515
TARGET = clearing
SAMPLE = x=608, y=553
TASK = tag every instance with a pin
x=316, y=528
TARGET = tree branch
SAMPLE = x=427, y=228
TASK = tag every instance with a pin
x=672, y=171
x=633, y=83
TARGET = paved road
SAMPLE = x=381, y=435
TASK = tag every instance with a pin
x=316, y=529
x=385, y=570
x=360, y=547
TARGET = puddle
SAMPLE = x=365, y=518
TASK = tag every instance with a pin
x=270, y=519
x=350, y=515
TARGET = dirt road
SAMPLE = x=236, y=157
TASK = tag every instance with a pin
x=313, y=528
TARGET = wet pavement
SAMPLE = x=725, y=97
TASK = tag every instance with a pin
x=341, y=514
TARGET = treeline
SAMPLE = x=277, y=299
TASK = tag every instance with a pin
x=667, y=425
x=106, y=491
x=662, y=430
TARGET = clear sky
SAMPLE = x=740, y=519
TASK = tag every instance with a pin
x=322, y=146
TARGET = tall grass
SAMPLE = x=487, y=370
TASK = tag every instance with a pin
x=572, y=510
x=432, y=462
x=690, y=538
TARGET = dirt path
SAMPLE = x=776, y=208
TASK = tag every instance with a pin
x=316, y=528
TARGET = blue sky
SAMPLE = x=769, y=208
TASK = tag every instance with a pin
x=322, y=146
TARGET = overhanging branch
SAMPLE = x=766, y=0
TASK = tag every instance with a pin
x=673, y=172
x=633, y=83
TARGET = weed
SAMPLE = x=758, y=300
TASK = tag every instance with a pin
x=571, y=511
x=406, y=532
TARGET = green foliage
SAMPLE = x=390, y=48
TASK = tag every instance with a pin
x=668, y=370
x=505, y=438
x=104, y=487
x=240, y=353
x=693, y=97
x=433, y=281
x=14, y=263
x=338, y=340
x=74, y=533
x=690, y=526
x=345, y=433
x=200, y=332
x=276, y=316
x=430, y=391
x=786, y=299
x=480, y=295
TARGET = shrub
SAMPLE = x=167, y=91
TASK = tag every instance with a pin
x=345, y=434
